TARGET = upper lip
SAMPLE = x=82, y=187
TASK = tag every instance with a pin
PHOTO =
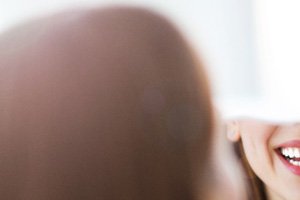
x=291, y=143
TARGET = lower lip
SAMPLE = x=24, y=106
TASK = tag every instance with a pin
x=294, y=169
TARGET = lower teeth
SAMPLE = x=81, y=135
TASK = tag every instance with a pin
x=293, y=162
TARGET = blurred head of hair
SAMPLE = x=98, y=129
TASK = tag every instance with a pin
x=106, y=103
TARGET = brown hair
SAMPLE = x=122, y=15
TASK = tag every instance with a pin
x=102, y=104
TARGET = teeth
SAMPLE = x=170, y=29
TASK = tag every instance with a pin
x=291, y=152
x=284, y=152
x=297, y=153
x=293, y=162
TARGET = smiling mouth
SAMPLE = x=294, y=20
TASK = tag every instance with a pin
x=290, y=154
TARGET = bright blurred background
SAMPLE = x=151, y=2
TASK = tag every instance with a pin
x=250, y=46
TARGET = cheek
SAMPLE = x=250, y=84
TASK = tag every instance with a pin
x=255, y=139
x=252, y=140
x=250, y=145
x=256, y=147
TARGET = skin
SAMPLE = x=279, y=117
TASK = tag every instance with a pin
x=228, y=182
x=259, y=141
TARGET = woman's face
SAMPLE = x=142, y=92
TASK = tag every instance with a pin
x=273, y=152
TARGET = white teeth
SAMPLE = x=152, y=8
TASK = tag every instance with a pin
x=296, y=153
x=284, y=151
x=293, y=162
x=291, y=152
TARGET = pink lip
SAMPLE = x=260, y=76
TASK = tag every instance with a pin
x=293, y=143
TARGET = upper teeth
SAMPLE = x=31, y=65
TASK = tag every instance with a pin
x=291, y=152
